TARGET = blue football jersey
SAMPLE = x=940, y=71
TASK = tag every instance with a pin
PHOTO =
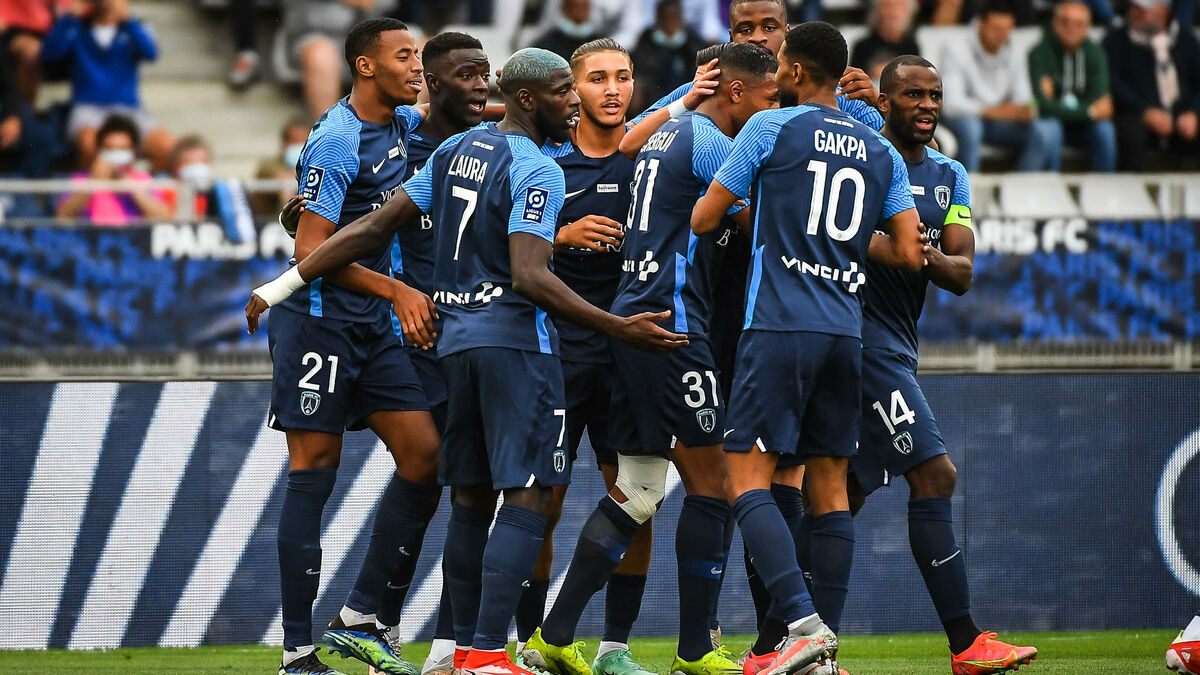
x=665, y=265
x=412, y=249
x=822, y=184
x=854, y=107
x=481, y=186
x=594, y=186
x=894, y=298
x=348, y=168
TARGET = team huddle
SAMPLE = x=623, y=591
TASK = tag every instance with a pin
x=729, y=282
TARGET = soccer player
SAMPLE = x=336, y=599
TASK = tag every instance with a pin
x=667, y=406
x=818, y=178
x=495, y=200
x=588, y=259
x=337, y=364
x=899, y=434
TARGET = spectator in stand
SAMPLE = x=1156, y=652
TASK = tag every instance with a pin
x=315, y=32
x=117, y=142
x=191, y=164
x=1156, y=86
x=282, y=167
x=246, y=64
x=625, y=20
x=23, y=24
x=1069, y=76
x=1183, y=11
x=891, y=36
x=574, y=28
x=665, y=55
x=103, y=47
x=25, y=141
x=988, y=97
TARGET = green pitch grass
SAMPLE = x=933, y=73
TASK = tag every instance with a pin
x=1098, y=653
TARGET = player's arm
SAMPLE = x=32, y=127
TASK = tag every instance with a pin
x=731, y=182
x=644, y=126
x=953, y=267
x=903, y=243
x=532, y=278
x=592, y=232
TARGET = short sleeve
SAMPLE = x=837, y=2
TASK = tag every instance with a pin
x=861, y=111
x=899, y=196
x=750, y=149
x=327, y=167
x=709, y=151
x=959, y=212
x=537, y=196
x=411, y=116
x=663, y=102
x=419, y=188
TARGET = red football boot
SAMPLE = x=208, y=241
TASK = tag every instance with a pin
x=755, y=663
x=1183, y=656
x=989, y=655
x=491, y=663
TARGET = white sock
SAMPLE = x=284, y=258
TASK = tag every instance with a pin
x=353, y=618
x=606, y=647
x=290, y=655
x=805, y=626
x=1192, y=632
x=440, y=649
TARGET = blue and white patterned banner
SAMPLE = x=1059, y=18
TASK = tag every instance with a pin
x=144, y=514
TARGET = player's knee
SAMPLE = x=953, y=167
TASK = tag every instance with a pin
x=936, y=477
x=643, y=481
x=475, y=497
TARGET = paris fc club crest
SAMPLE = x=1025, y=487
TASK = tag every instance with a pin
x=942, y=194
x=309, y=402
x=560, y=461
x=707, y=419
x=903, y=443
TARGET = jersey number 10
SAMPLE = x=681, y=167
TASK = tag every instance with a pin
x=847, y=173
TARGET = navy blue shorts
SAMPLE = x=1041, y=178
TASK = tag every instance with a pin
x=663, y=398
x=506, y=419
x=589, y=388
x=796, y=393
x=429, y=371
x=898, y=429
x=329, y=375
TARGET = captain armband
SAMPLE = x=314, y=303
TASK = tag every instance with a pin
x=959, y=215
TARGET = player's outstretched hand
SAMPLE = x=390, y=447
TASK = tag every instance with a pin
x=595, y=233
x=703, y=85
x=417, y=313
x=643, y=332
x=289, y=217
x=856, y=84
x=254, y=309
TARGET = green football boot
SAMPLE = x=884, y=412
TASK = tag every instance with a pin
x=566, y=660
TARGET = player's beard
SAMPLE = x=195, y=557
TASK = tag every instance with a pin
x=788, y=99
x=555, y=128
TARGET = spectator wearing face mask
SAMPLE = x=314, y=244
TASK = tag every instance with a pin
x=574, y=28
x=665, y=55
x=216, y=200
x=116, y=143
x=281, y=167
x=103, y=47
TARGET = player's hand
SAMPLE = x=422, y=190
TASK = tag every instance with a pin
x=856, y=84
x=642, y=331
x=289, y=217
x=417, y=313
x=703, y=85
x=254, y=309
x=595, y=233
x=923, y=237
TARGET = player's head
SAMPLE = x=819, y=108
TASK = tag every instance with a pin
x=383, y=52
x=537, y=84
x=910, y=98
x=759, y=22
x=457, y=72
x=812, y=59
x=996, y=22
x=603, y=73
x=747, y=82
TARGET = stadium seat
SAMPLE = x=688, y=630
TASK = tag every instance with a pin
x=1116, y=197
x=1036, y=195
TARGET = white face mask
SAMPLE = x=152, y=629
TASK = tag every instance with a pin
x=197, y=174
x=291, y=154
x=117, y=157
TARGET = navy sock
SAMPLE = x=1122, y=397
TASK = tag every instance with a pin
x=699, y=543
x=391, y=559
x=622, y=603
x=462, y=567
x=443, y=627
x=931, y=536
x=758, y=592
x=605, y=537
x=727, y=542
x=531, y=608
x=299, y=541
x=791, y=505
x=832, y=553
x=766, y=536
x=802, y=534
x=508, y=562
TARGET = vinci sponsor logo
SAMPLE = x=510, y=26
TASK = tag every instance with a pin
x=851, y=276
x=486, y=293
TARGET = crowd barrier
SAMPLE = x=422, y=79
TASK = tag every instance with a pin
x=144, y=514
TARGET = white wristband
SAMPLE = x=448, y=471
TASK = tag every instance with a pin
x=281, y=288
x=677, y=108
